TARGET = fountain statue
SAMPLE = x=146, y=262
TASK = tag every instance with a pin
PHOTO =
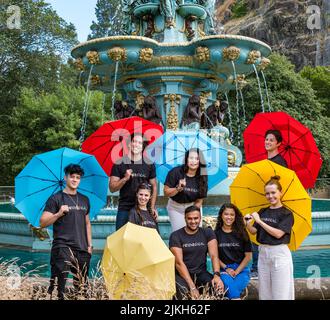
x=171, y=66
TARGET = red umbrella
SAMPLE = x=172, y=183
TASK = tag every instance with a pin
x=298, y=146
x=108, y=143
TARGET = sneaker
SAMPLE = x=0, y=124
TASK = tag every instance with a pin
x=254, y=275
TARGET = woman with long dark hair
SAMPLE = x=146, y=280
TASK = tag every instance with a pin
x=142, y=213
x=186, y=185
x=235, y=251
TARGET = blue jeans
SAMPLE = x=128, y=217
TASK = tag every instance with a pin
x=121, y=219
x=235, y=286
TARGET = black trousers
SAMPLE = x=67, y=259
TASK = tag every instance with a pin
x=202, y=280
x=64, y=261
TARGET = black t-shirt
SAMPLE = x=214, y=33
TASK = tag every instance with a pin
x=191, y=192
x=69, y=230
x=231, y=247
x=144, y=219
x=279, y=218
x=194, y=247
x=279, y=160
x=142, y=172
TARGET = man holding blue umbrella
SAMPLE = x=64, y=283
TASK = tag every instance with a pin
x=68, y=212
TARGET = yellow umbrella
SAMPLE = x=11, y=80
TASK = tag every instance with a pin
x=137, y=265
x=248, y=194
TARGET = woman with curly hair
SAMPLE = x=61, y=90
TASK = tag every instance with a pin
x=234, y=249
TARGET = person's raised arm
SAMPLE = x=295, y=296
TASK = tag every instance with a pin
x=249, y=226
x=153, y=183
x=277, y=233
x=116, y=183
x=48, y=218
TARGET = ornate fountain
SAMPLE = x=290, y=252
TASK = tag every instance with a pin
x=171, y=55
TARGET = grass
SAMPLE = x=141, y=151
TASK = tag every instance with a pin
x=18, y=284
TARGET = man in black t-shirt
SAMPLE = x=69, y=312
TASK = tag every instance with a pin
x=190, y=246
x=128, y=174
x=68, y=212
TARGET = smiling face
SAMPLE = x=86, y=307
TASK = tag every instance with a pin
x=228, y=217
x=136, y=145
x=72, y=181
x=193, y=220
x=273, y=194
x=193, y=160
x=271, y=144
x=143, y=196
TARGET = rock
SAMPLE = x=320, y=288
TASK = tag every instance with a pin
x=282, y=24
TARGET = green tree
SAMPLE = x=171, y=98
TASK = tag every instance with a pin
x=47, y=121
x=32, y=55
x=289, y=92
x=320, y=79
x=109, y=19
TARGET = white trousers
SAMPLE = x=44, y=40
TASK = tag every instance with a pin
x=275, y=272
x=175, y=212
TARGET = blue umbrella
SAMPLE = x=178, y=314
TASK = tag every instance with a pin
x=169, y=150
x=44, y=176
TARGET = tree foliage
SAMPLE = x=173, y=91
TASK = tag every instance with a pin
x=44, y=122
x=109, y=19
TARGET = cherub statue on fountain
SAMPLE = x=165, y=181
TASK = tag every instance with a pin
x=216, y=113
x=192, y=115
x=150, y=110
x=122, y=110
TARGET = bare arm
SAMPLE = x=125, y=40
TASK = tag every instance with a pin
x=116, y=183
x=199, y=203
x=182, y=269
x=153, y=182
x=171, y=192
x=89, y=233
x=48, y=218
x=277, y=233
x=245, y=261
x=213, y=253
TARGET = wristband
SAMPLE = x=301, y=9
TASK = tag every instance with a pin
x=216, y=273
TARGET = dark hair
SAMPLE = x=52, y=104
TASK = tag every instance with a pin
x=74, y=169
x=191, y=209
x=276, y=133
x=137, y=134
x=201, y=171
x=143, y=186
x=238, y=226
x=274, y=180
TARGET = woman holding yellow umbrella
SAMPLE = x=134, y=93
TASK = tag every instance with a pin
x=283, y=219
x=273, y=227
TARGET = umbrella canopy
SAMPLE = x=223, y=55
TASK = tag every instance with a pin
x=169, y=151
x=136, y=265
x=44, y=175
x=108, y=143
x=298, y=146
x=248, y=194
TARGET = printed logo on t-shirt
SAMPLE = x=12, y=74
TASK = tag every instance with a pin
x=193, y=244
x=229, y=244
x=78, y=208
x=191, y=190
x=138, y=175
x=269, y=220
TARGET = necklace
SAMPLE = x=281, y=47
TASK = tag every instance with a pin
x=76, y=203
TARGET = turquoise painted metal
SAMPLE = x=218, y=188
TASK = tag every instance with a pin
x=172, y=60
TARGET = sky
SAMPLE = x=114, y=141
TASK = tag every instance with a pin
x=79, y=12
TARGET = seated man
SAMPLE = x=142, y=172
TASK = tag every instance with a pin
x=190, y=246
